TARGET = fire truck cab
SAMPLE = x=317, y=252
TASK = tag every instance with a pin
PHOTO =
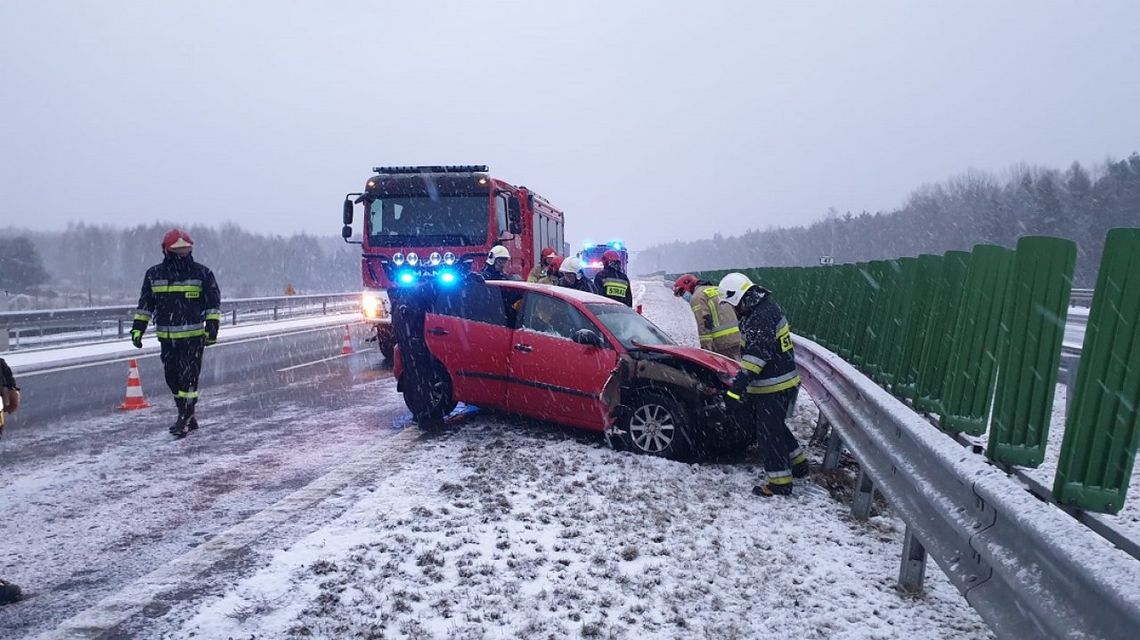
x=440, y=222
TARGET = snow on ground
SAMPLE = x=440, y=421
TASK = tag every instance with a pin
x=500, y=528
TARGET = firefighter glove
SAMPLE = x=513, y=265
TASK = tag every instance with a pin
x=739, y=386
x=136, y=338
x=211, y=331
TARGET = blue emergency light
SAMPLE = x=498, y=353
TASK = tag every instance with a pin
x=406, y=277
x=446, y=277
x=616, y=245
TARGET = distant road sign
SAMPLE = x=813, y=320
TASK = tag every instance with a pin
x=826, y=260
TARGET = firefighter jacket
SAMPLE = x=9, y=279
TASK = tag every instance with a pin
x=183, y=299
x=491, y=273
x=540, y=274
x=767, y=359
x=717, y=328
x=581, y=284
x=614, y=284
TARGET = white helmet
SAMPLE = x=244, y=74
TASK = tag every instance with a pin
x=733, y=286
x=498, y=251
x=573, y=264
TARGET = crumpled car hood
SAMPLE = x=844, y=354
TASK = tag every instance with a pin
x=720, y=364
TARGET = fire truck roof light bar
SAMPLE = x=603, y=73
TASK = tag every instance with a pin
x=448, y=168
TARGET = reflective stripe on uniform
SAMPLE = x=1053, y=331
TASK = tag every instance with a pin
x=778, y=383
x=779, y=477
x=178, y=335
x=142, y=314
x=797, y=456
x=213, y=314
x=713, y=294
x=614, y=287
x=752, y=363
x=186, y=394
x=178, y=286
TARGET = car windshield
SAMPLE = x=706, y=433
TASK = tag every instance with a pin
x=417, y=221
x=628, y=326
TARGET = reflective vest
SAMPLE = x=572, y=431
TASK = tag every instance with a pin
x=768, y=355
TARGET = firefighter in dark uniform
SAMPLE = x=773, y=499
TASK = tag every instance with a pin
x=184, y=301
x=497, y=261
x=571, y=276
x=10, y=394
x=768, y=382
x=611, y=282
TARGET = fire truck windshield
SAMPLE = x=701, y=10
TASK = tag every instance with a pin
x=395, y=221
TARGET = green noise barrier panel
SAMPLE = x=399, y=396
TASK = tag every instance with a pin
x=939, y=331
x=979, y=341
x=1102, y=428
x=927, y=270
x=1038, y=305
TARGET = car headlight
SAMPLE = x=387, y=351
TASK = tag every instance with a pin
x=371, y=306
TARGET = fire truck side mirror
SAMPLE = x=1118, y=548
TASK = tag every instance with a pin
x=347, y=213
x=514, y=215
x=346, y=232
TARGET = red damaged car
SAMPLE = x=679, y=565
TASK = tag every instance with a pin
x=562, y=356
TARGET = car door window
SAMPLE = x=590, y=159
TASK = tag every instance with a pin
x=474, y=301
x=552, y=317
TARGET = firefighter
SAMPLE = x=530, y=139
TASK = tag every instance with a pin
x=765, y=389
x=611, y=282
x=571, y=275
x=183, y=298
x=717, y=328
x=541, y=271
x=497, y=260
x=10, y=397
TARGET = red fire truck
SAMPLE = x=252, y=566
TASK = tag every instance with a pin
x=440, y=222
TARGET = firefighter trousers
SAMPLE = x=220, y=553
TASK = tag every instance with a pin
x=182, y=362
x=769, y=413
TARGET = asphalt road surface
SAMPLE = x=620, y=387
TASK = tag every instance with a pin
x=95, y=498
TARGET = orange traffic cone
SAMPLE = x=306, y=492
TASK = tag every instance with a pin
x=347, y=348
x=134, y=399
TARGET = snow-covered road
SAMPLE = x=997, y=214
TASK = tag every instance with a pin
x=498, y=528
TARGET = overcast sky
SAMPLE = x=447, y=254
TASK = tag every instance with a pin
x=647, y=121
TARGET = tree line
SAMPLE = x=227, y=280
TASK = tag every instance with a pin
x=973, y=208
x=103, y=264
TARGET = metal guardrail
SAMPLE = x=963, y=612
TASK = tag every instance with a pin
x=81, y=325
x=1081, y=297
x=1029, y=570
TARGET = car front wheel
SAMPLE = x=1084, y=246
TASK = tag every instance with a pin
x=657, y=425
x=430, y=401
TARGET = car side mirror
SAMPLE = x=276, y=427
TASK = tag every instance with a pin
x=587, y=337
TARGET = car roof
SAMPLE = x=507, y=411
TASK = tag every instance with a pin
x=556, y=291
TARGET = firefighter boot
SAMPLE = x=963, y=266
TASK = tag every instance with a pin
x=767, y=490
x=9, y=592
x=799, y=463
x=179, y=428
x=192, y=422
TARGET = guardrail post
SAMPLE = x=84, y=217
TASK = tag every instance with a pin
x=912, y=569
x=4, y=346
x=864, y=496
x=325, y=308
x=834, y=448
x=275, y=311
x=234, y=321
x=120, y=327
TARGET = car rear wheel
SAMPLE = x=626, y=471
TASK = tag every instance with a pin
x=432, y=400
x=657, y=425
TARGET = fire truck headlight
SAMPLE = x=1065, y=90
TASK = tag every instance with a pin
x=370, y=305
x=406, y=277
x=398, y=258
x=434, y=258
x=413, y=259
x=449, y=258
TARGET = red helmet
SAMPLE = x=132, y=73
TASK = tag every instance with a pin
x=687, y=282
x=611, y=256
x=556, y=263
x=546, y=253
x=176, y=239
